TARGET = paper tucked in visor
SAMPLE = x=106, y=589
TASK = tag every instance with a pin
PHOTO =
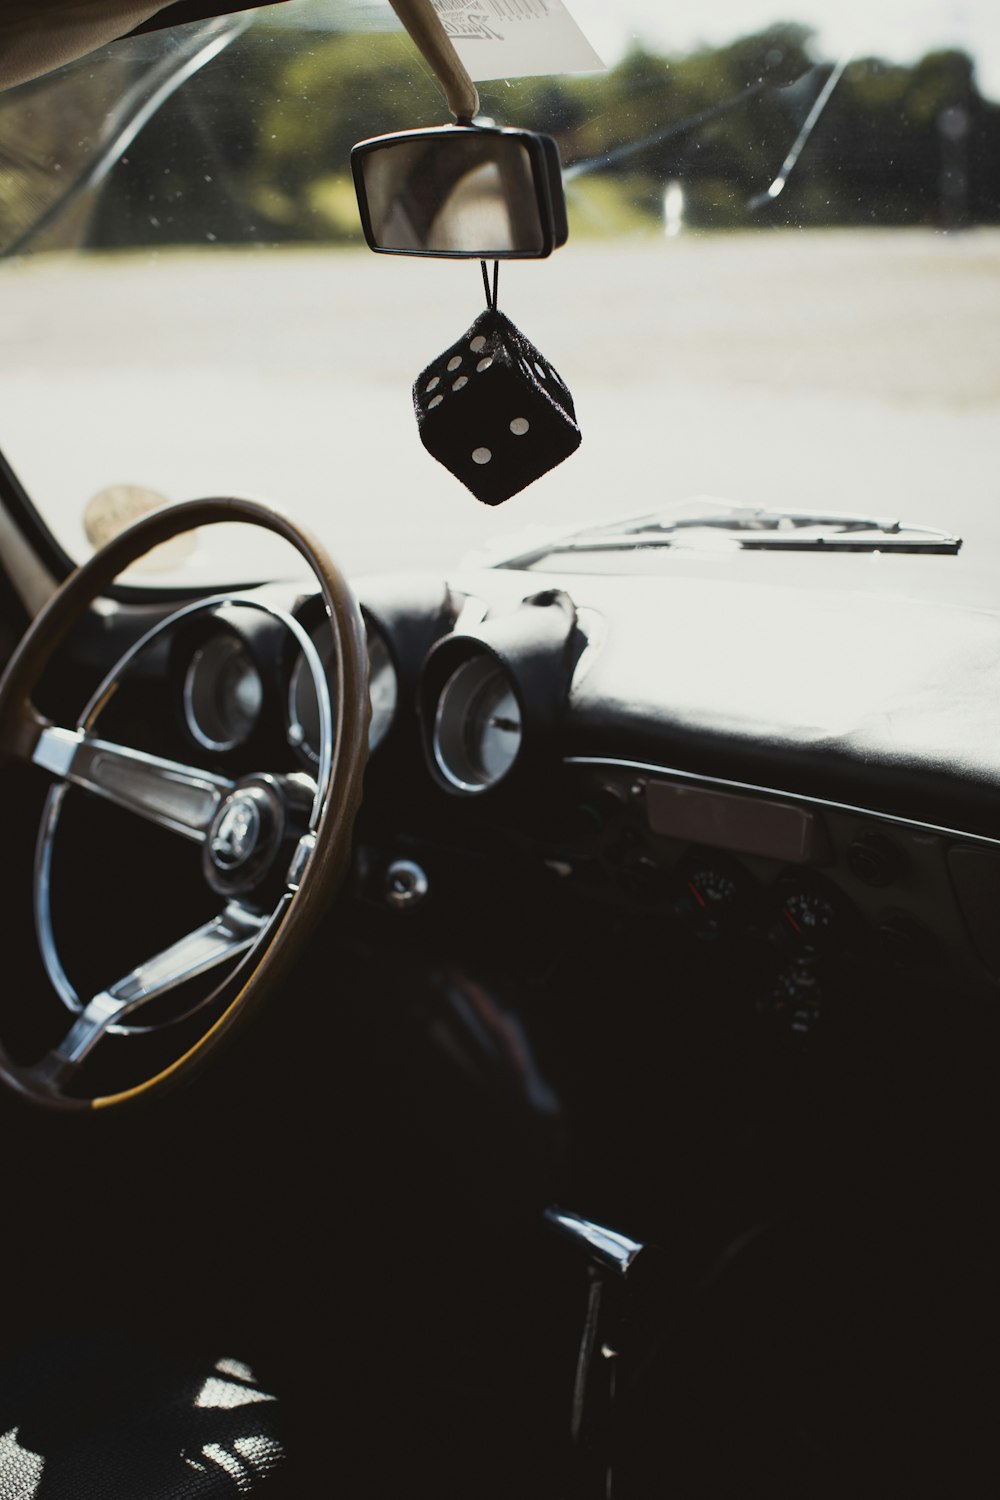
x=516, y=38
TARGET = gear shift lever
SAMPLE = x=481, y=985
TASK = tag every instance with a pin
x=611, y=1260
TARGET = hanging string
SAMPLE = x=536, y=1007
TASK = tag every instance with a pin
x=491, y=300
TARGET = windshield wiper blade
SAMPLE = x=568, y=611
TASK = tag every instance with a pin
x=664, y=133
x=746, y=518
x=753, y=530
x=799, y=144
x=791, y=530
x=907, y=539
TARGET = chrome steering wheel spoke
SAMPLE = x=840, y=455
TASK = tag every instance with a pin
x=225, y=937
x=273, y=846
x=182, y=798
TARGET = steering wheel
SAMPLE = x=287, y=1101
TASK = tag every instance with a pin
x=283, y=835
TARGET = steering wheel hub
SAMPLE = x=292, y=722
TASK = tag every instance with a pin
x=236, y=832
x=243, y=837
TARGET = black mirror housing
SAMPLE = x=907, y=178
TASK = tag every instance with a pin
x=472, y=192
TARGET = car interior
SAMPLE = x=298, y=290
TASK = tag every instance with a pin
x=524, y=1027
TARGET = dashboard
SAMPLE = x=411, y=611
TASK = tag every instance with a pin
x=566, y=730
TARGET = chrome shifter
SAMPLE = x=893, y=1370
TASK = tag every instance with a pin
x=612, y=1261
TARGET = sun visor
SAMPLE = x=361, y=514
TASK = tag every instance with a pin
x=38, y=36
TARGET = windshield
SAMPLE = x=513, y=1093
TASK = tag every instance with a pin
x=781, y=287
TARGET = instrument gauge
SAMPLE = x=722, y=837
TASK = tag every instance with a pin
x=809, y=913
x=712, y=889
x=795, y=998
x=303, y=709
x=713, y=896
x=478, y=727
x=383, y=688
x=223, y=693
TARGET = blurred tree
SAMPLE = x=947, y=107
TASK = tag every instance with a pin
x=257, y=146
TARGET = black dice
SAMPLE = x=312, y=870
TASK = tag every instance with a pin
x=493, y=410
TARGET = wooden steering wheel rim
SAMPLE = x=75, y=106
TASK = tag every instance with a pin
x=21, y=726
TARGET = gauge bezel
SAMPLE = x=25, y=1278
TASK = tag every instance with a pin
x=229, y=641
x=377, y=638
x=295, y=732
x=486, y=665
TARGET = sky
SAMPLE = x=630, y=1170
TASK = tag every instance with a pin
x=900, y=30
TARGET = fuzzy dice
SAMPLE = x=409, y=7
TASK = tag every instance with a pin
x=494, y=411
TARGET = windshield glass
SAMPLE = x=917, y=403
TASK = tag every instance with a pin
x=781, y=287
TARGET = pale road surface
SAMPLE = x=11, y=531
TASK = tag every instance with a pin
x=843, y=370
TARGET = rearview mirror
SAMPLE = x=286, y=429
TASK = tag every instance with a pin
x=461, y=190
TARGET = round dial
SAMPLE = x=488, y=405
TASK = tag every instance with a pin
x=477, y=726
x=795, y=997
x=303, y=710
x=712, y=889
x=713, y=896
x=382, y=687
x=808, y=913
x=223, y=693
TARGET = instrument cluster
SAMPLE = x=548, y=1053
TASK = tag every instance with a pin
x=480, y=691
x=240, y=669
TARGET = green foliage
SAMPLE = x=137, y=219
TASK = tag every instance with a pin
x=608, y=204
x=257, y=146
x=47, y=137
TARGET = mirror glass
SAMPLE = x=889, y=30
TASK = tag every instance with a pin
x=452, y=193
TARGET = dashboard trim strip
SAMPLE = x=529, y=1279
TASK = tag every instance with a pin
x=648, y=768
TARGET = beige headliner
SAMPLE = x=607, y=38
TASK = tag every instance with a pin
x=37, y=36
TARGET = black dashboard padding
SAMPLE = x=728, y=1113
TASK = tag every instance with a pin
x=412, y=610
